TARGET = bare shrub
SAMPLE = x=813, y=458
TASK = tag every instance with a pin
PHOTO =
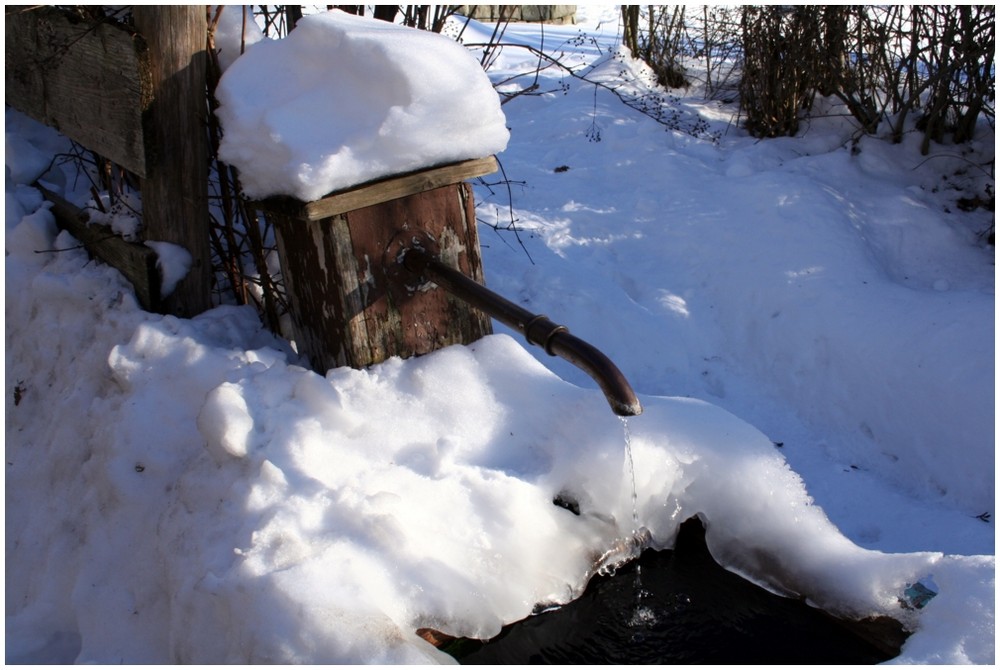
x=885, y=63
x=655, y=36
x=774, y=85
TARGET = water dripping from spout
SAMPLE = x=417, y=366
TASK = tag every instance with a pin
x=628, y=546
x=631, y=471
x=685, y=609
x=642, y=616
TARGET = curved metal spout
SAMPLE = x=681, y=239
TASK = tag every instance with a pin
x=536, y=328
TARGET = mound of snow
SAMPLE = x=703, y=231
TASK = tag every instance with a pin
x=308, y=103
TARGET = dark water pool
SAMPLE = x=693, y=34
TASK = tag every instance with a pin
x=683, y=608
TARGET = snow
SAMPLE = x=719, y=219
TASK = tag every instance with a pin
x=810, y=332
x=123, y=216
x=327, y=128
x=235, y=32
x=173, y=261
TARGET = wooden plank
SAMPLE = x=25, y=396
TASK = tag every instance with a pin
x=175, y=192
x=398, y=187
x=135, y=261
x=382, y=190
x=316, y=304
x=88, y=80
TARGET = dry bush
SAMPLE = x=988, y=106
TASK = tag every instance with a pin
x=885, y=63
x=779, y=67
x=242, y=240
x=655, y=37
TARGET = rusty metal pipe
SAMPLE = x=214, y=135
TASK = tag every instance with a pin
x=536, y=328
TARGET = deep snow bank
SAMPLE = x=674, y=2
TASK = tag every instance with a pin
x=218, y=504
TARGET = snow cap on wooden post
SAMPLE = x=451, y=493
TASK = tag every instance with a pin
x=406, y=115
x=392, y=99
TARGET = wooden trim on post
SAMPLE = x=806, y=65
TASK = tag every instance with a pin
x=175, y=194
x=382, y=190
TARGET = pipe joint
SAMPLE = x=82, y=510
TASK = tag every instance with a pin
x=540, y=330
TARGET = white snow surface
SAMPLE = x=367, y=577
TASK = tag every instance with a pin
x=810, y=331
x=308, y=103
x=173, y=262
x=235, y=32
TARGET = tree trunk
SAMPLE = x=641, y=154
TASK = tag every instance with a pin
x=630, y=28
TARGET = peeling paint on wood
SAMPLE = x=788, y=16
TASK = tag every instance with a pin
x=345, y=308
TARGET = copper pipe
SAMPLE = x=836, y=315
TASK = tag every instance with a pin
x=536, y=328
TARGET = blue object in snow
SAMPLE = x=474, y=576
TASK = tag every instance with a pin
x=919, y=594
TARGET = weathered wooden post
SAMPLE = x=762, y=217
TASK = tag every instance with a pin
x=339, y=254
x=175, y=192
x=358, y=157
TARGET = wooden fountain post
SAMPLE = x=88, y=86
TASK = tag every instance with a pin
x=339, y=263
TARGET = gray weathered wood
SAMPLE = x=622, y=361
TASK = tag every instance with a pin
x=136, y=262
x=88, y=80
x=137, y=100
x=382, y=190
x=175, y=192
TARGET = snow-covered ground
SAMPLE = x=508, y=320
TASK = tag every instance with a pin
x=809, y=323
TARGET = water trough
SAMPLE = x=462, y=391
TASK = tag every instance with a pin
x=680, y=606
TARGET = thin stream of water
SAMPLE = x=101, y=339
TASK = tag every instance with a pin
x=641, y=615
x=631, y=472
x=631, y=542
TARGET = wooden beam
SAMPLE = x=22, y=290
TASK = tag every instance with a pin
x=135, y=261
x=383, y=190
x=88, y=80
x=175, y=192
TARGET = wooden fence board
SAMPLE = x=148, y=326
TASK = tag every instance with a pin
x=88, y=80
x=175, y=193
x=136, y=262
